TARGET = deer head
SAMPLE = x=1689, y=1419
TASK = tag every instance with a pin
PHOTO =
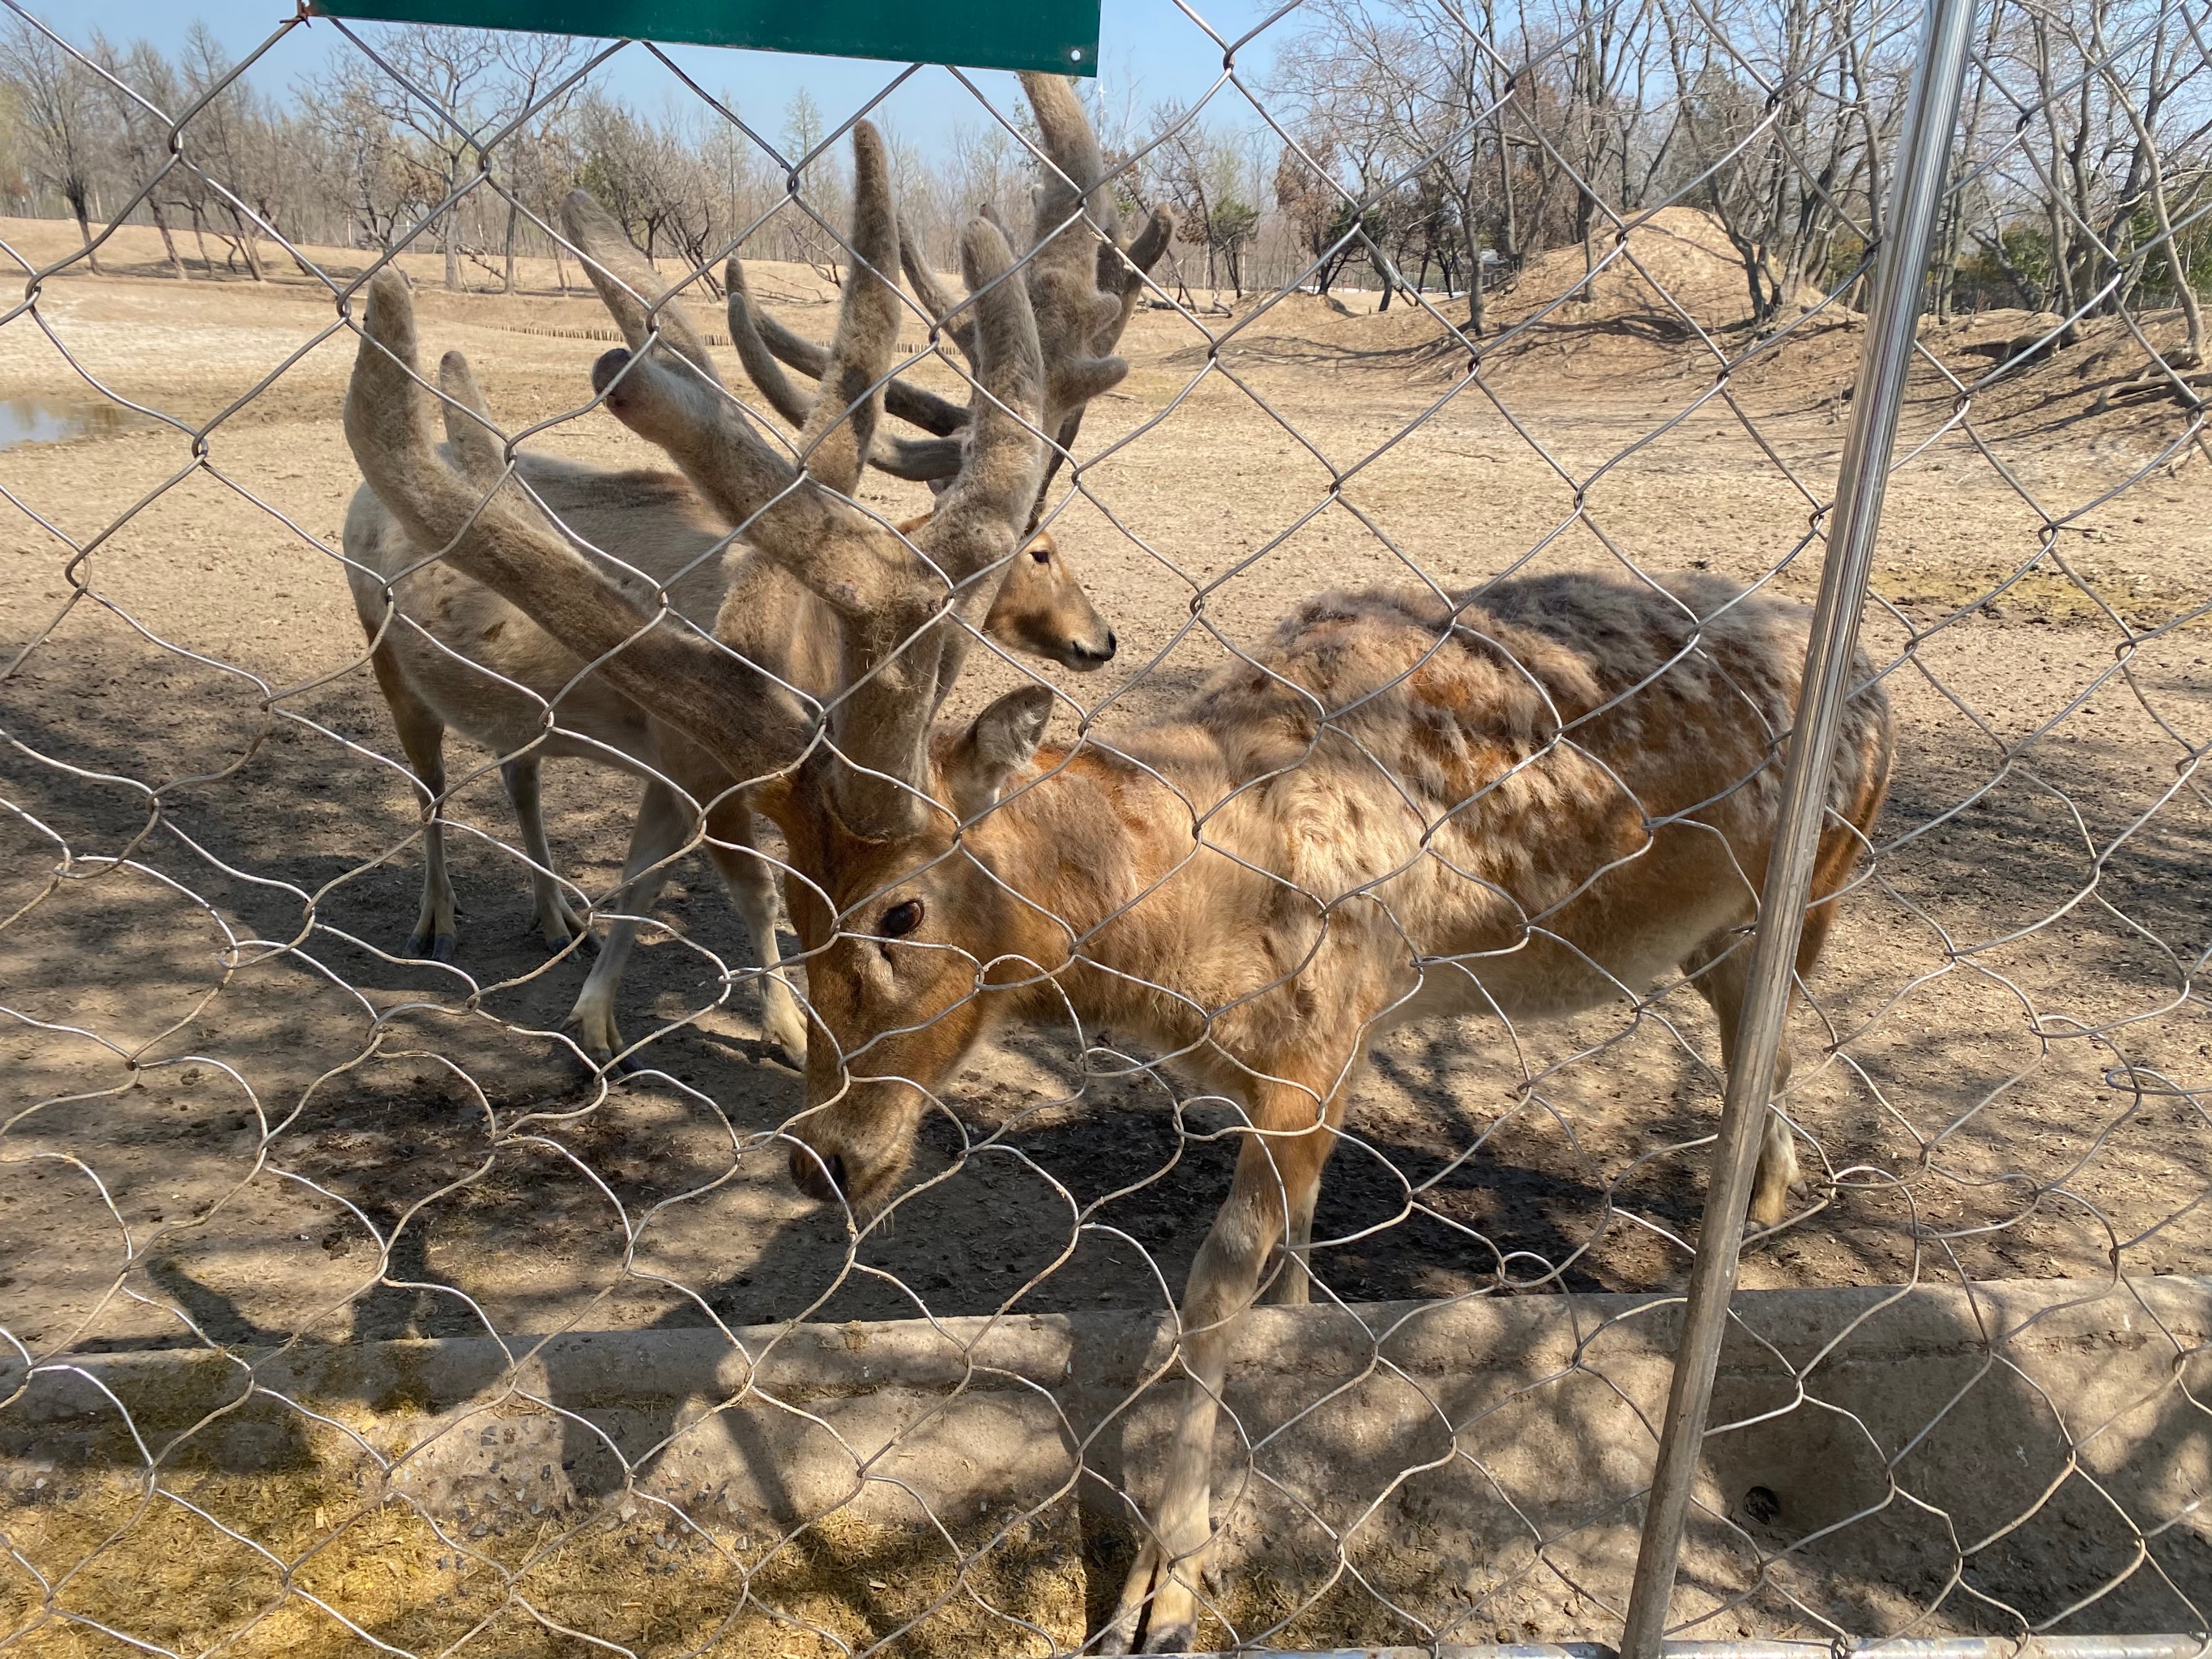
x=909, y=929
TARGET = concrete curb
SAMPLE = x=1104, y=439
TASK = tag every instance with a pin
x=1486, y=1454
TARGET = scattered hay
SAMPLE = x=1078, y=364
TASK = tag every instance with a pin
x=625, y=1573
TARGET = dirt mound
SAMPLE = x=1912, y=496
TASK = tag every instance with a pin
x=1672, y=273
x=1654, y=290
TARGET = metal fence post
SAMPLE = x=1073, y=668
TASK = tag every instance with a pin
x=1923, y=153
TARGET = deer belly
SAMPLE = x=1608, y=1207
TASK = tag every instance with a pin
x=1543, y=977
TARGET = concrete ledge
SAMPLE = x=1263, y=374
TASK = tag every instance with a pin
x=1389, y=1472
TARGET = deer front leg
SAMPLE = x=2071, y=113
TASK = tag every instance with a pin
x=557, y=921
x=435, y=937
x=1159, y=1601
x=1293, y=1285
x=661, y=822
x=422, y=740
x=751, y=884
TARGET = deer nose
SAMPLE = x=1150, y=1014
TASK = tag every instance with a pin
x=1085, y=658
x=820, y=1178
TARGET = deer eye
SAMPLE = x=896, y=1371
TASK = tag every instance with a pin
x=1043, y=554
x=901, y=919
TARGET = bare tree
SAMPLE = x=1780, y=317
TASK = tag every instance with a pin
x=59, y=109
x=451, y=93
x=142, y=91
x=359, y=156
x=540, y=69
x=230, y=142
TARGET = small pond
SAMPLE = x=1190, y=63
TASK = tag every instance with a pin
x=43, y=420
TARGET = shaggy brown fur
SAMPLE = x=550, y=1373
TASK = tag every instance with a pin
x=1554, y=794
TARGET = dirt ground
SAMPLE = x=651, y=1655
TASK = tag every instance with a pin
x=223, y=1083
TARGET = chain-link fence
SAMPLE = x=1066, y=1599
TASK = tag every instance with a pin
x=1354, y=529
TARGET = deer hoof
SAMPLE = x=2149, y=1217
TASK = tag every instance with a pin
x=1767, y=1212
x=1158, y=1613
x=1179, y=1636
x=1120, y=1633
x=558, y=933
x=789, y=1044
x=433, y=947
x=600, y=1040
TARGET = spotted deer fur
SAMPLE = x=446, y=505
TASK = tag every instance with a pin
x=1546, y=795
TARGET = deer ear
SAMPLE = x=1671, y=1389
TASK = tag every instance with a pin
x=1000, y=743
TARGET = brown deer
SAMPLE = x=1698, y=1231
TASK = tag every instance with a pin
x=1549, y=794
x=448, y=652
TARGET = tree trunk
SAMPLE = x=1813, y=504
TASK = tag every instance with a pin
x=168, y=242
x=1508, y=232
x=1588, y=228
x=513, y=214
x=449, y=238
x=76, y=201
x=245, y=245
x=1384, y=275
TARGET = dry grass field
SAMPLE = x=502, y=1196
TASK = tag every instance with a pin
x=220, y=1074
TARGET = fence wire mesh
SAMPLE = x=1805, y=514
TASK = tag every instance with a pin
x=422, y=1232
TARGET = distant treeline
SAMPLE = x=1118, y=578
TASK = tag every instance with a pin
x=1420, y=144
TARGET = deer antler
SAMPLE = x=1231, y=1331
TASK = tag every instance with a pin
x=761, y=340
x=892, y=597
x=491, y=532
x=669, y=397
x=958, y=325
x=1082, y=308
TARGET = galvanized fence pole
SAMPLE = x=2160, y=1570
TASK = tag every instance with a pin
x=1922, y=167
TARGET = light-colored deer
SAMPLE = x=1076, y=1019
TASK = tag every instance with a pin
x=449, y=653
x=1550, y=794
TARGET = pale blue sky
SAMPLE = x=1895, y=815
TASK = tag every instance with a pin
x=1150, y=52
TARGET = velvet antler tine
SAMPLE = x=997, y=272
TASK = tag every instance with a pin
x=922, y=460
x=1075, y=212
x=957, y=324
x=907, y=402
x=842, y=427
x=470, y=429
x=979, y=518
x=675, y=403
x=1121, y=271
x=761, y=366
x=632, y=290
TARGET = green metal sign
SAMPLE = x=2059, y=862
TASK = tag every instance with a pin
x=1031, y=35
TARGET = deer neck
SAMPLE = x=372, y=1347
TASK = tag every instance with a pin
x=1100, y=845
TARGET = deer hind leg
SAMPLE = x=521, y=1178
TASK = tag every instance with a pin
x=1719, y=972
x=557, y=922
x=663, y=821
x=422, y=740
x=1160, y=1600
x=752, y=883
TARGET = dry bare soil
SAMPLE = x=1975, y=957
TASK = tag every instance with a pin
x=222, y=1083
